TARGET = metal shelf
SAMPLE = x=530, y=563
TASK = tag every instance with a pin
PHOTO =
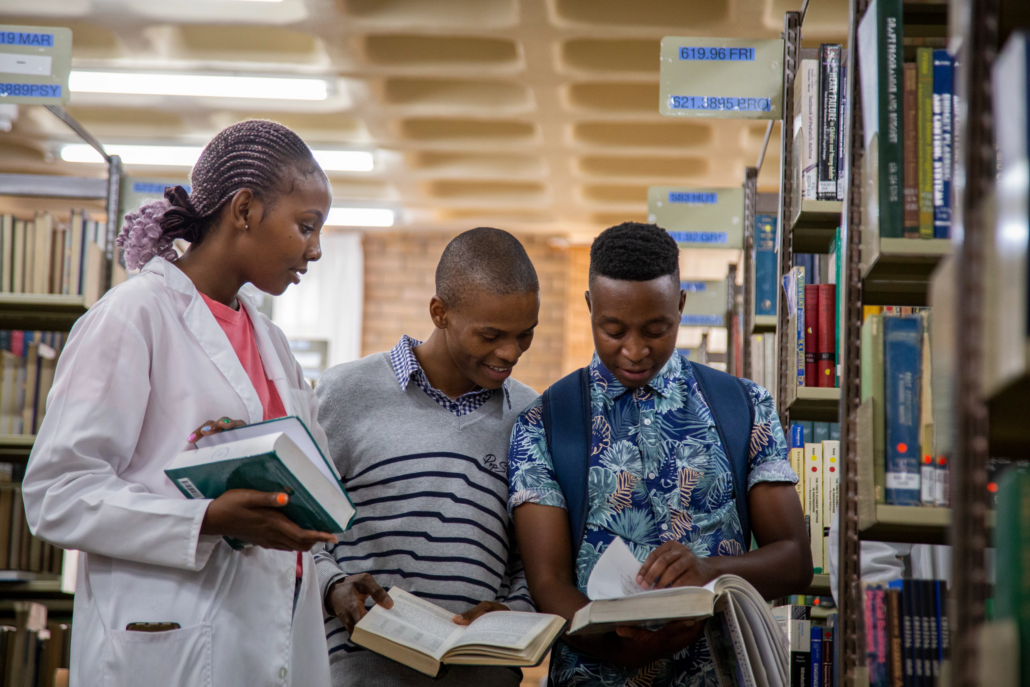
x=763, y=324
x=814, y=225
x=897, y=271
x=50, y=186
x=910, y=524
x=44, y=582
x=820, y=586
x=40, y=311
x=16, y=446
x=814, y=403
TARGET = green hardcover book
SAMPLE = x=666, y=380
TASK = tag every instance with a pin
x=880, y=38
x=872, y=387
x=268, y=461
x=1012, y=593
x=924, y=141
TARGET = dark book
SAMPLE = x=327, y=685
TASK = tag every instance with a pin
x=943, y=87
x=903, y=340
x=910, y=116
x=811, y=335
x=826, y=335
x=895, y=656
x=17, y=528
x=765, y=264
x=816, y=663
x=932, y=665
x=6, y=508
x=829, y=96
x=827, y=656
x=876, y=634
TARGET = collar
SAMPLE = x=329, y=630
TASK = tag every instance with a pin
x=662, y=383
x=406, y=365
x=176, y=280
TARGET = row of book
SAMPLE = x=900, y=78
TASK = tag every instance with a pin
x=817, y=466
x=908, y=123
x=28, y=362
x=45, y=256
x=820, y=113
x=907, y=637
x=34, y=652
x=763, y=360
x=897, y=397
x=19, y=550
x=810, y=646
x=815, y=307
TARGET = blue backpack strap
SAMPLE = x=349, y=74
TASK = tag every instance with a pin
x=734, y=416
x=567, y=427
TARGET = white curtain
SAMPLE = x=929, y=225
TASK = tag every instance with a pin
x=328, y=302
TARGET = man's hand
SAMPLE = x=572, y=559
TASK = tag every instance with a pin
x=638, y=647
x=254, y=517
x=674, y=565
x=347, y=598
x=482, y=608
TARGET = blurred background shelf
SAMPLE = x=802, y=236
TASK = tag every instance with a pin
x=897, y=271
x=911, y=524
x=814, y=224
x=819, y=404
x=40, y=312
x=16, y=446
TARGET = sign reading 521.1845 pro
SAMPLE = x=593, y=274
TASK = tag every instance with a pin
x=729, y=78
x=35, y=62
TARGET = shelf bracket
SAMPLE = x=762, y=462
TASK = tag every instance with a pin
x=74, y=125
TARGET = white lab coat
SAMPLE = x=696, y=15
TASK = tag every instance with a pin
x=141, y=370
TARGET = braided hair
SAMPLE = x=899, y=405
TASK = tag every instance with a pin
x=255, y=154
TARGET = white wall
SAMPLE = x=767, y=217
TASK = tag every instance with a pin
x=328, y=302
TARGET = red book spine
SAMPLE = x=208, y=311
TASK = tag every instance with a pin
x=811, y=335
x=825, y=343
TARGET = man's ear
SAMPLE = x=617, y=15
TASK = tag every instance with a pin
x=586, y=294
x=438, y=312
x=683, y=300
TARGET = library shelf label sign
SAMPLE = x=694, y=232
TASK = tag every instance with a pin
x=138, y=190
x=705, y=305
x=727, y=78
x=35, y=62
x=699, y=217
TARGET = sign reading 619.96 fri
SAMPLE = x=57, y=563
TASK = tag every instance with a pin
x=728, y=78
x=35, y=62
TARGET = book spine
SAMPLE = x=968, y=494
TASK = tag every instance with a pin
x=816, y=662
x=895, y=655
x=814, y=501
x=799, y=279
x=825, y=334
x=924, y=63
x=809, y=161
x=907, y=638
x=932, y=666
x=942, y=143
x=797, y=460
x=942, y=480
x=765, y=265
x=831, y=492
x=839, y=262
x=812, y=328
x=799, y=639
x=910, y=104
x=827, y=678
x=829, y=86
x=902, y=365
x=842, y=125
x=892, y=37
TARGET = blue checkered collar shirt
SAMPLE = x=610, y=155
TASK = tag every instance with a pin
x=406, y=367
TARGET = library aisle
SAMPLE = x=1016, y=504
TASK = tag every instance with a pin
x=848, y=183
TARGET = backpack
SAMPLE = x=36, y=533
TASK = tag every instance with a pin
x=567, y=425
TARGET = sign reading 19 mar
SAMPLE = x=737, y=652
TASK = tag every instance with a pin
x=699, y=217
x=35, y=62
x=729, y=78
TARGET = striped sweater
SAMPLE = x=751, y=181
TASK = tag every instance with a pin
x=430, y=489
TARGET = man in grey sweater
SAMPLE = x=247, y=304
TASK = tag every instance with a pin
x=420, y=435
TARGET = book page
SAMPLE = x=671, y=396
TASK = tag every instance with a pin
x=615, y=573
x=509, y=629
x=413, y=622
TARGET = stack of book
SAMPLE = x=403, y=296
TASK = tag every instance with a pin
x=19, y=550
x=28, y=361
x=896, y=392
x=33, y=651
x=45, y=256
x=906, y=628
x=814, y=302
x=819, y=119
x=817, y=465
x=810, y=645
x=908, y=123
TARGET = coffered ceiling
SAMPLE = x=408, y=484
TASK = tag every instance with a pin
x=525, y=114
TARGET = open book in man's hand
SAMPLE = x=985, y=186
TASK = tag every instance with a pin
x=748, y=645
x=423, y=636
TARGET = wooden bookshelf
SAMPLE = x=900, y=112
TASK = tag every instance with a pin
x=764, y=324
x=819, y=404
x=814, y=224
x=897, y=271
x=40, y=312
x=910, y=524
x=820, y=586
x=16, y=446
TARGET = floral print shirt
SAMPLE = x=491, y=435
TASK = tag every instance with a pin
x=657, y=473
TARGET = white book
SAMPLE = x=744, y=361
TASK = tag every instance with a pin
x=814, y=501
x=770, y=363
x=806, y=125
x=758, y=359
x=831, y=493
x=6, y=253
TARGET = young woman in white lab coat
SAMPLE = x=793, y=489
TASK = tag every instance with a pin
x=144, y=372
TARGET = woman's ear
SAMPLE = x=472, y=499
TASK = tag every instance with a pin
x=242, y=210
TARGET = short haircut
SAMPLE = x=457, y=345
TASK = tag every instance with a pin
x=633, y=251
x=484, y=259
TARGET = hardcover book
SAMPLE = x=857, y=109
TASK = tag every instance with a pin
x=829, y=96
x=765, y=265
x=814, y=502
x=903, y=338
x=826, y=326
x=924, y=66
x=943, y=68
x=812, y=326
x=910, y=115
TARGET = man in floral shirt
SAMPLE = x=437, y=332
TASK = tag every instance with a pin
x=658, y=478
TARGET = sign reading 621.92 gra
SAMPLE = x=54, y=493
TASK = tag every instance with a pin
x=730, y=78
x=35, y=62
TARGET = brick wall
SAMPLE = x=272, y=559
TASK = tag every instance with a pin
x=579, y=344
x=399, y=275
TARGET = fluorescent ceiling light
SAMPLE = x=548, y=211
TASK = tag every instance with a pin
x=210, y=85
x=186, y=156
x=359, y=217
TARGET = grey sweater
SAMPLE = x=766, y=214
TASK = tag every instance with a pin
x=430, y=490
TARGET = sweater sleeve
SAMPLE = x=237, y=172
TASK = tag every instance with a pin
x=327, y=570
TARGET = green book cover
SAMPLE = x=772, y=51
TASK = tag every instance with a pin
x=872, y=387
x=1012, y=592
x=924, y=144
